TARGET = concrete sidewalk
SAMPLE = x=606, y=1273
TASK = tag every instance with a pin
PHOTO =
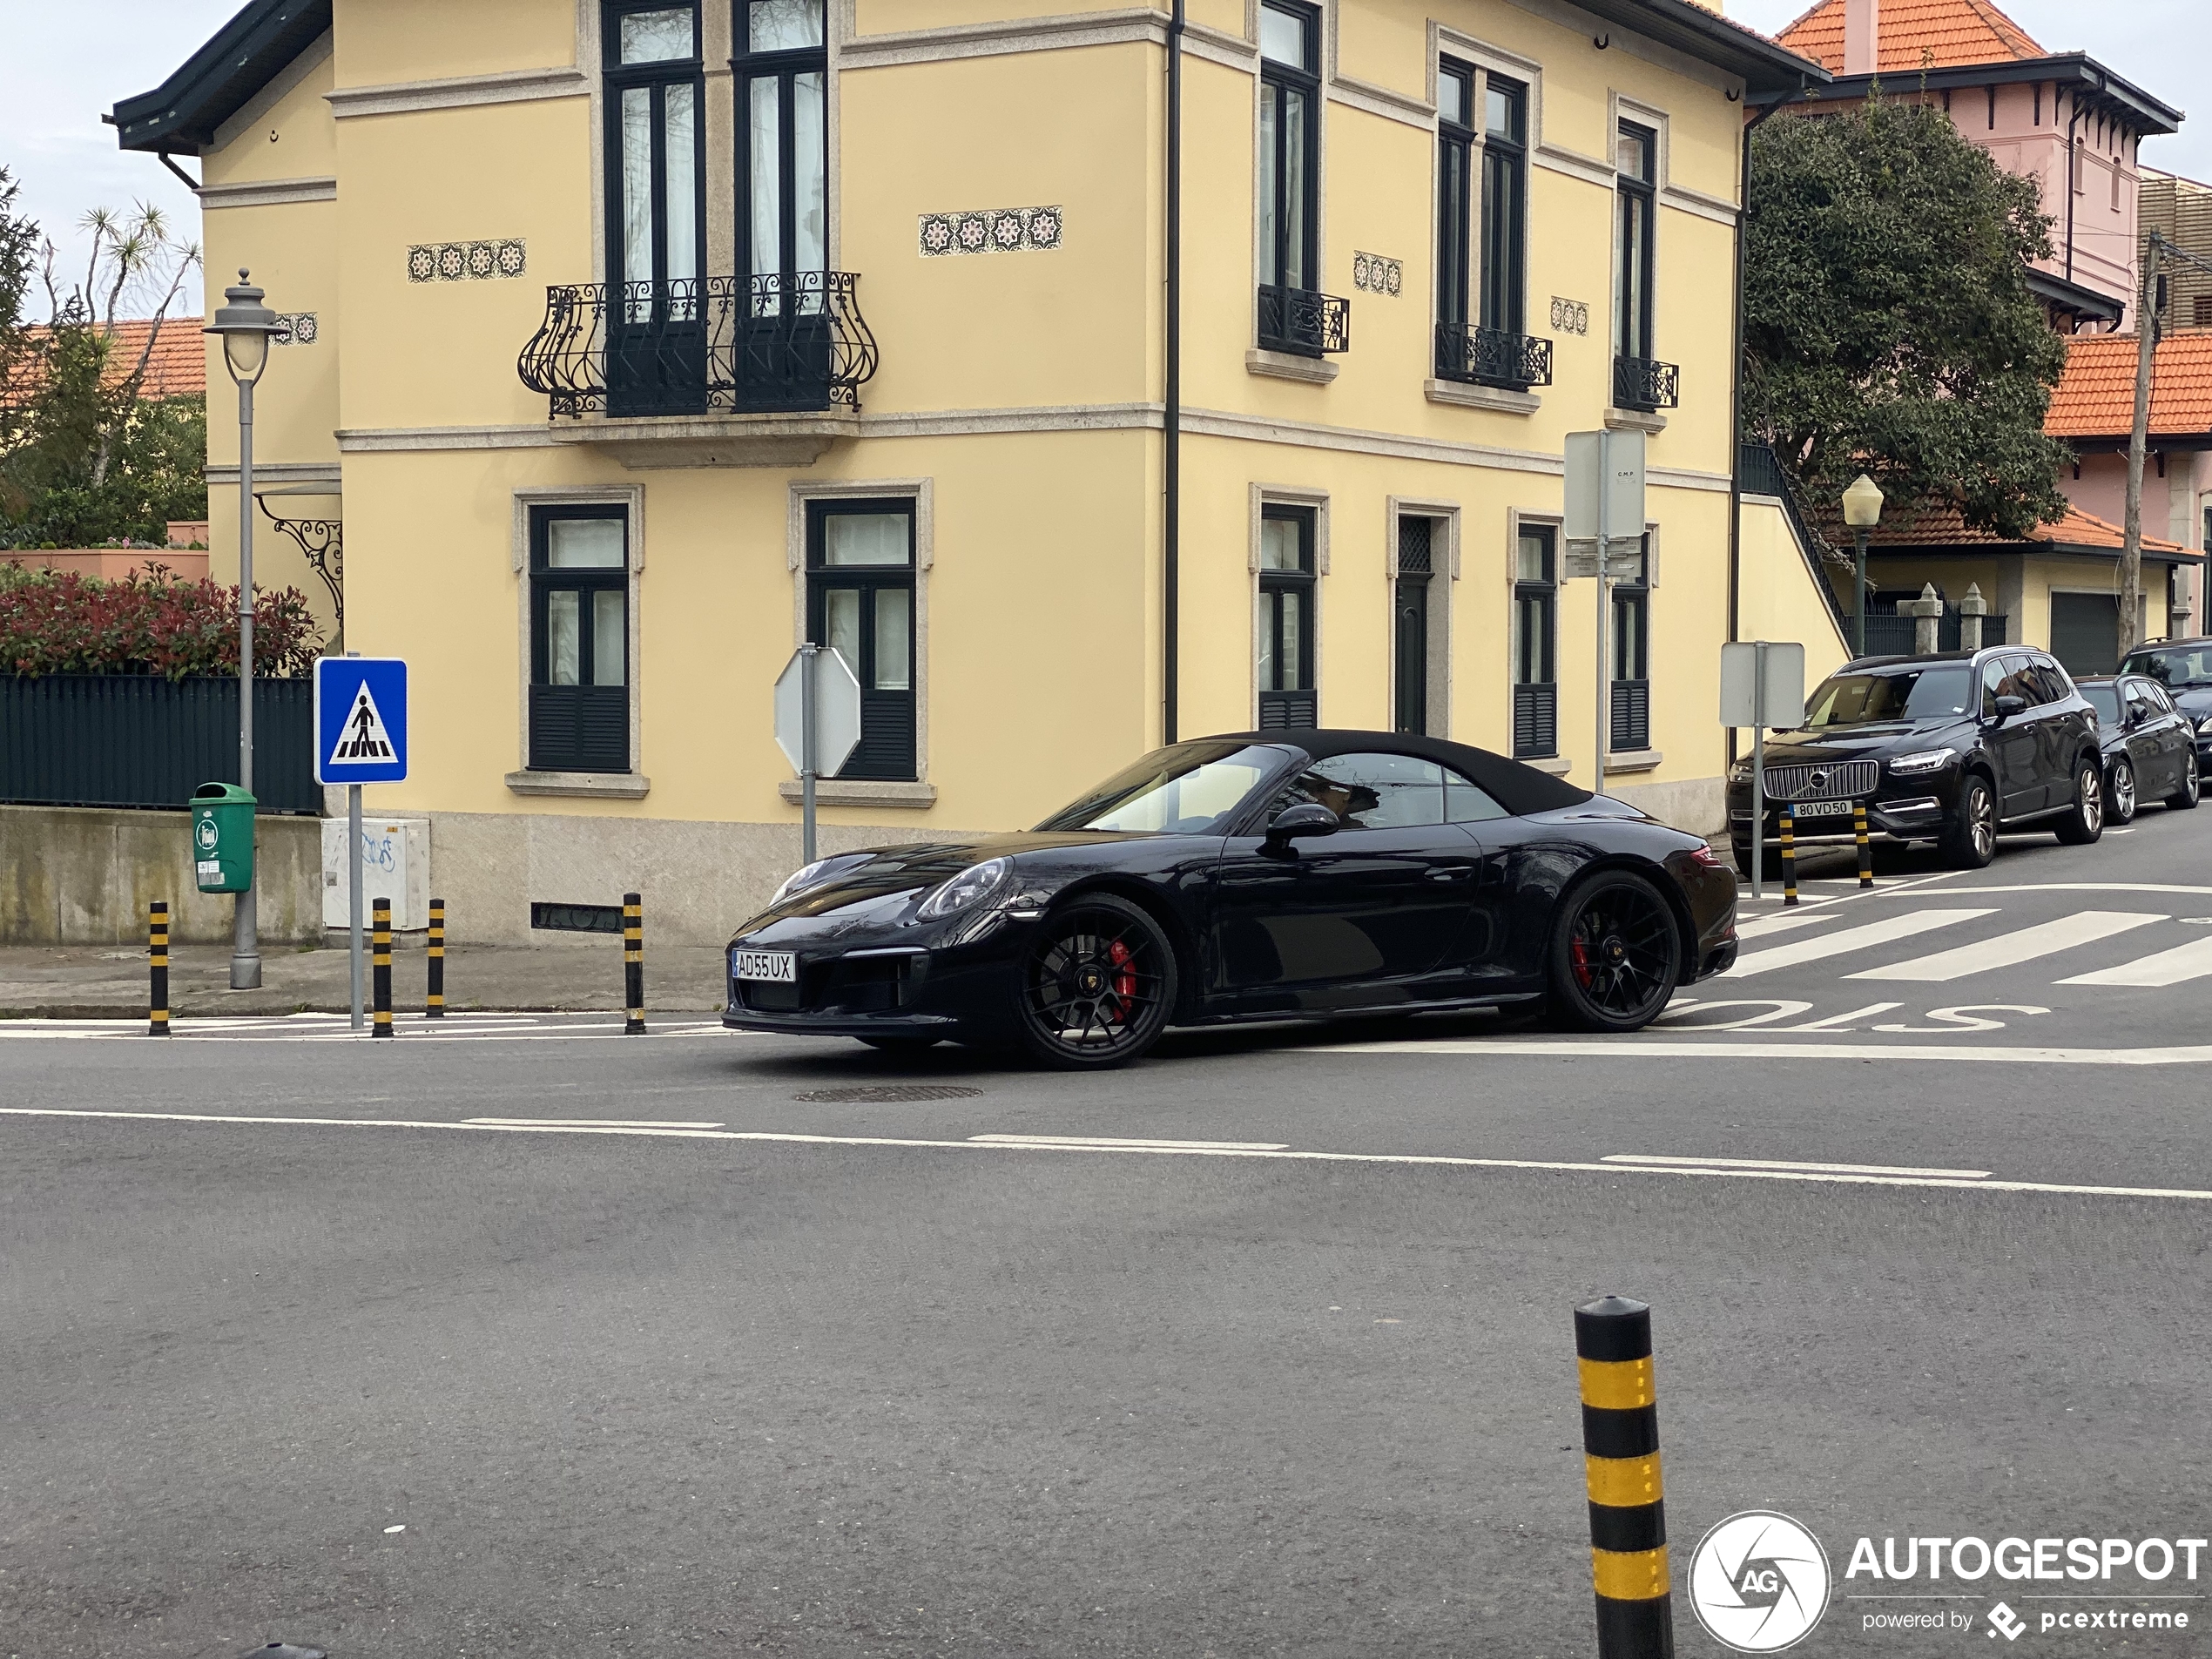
x=94, y=982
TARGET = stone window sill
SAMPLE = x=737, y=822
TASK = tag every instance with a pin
x=1635, y=420
x=862, y=791
x=1555, y=765
x=1633, y=761
x=1501, y=398
x=590, y=785
x=1289, y=365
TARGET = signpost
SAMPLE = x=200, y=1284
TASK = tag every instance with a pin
x=361, y=738
x=818, y=723
x=1762, y=685
x=1604, y=511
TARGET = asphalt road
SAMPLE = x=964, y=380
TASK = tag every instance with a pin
x=675, y=1359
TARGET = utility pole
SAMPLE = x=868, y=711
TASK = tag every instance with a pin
x=2131, y=546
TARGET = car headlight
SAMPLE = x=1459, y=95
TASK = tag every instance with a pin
x=1927, y=760
x=812, y=875
x=971, y=887
x=1740, y=773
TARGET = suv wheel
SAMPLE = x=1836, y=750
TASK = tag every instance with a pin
x=2120, y=790
x=2184, y=798
x=1970, y=839
x=2087, y=821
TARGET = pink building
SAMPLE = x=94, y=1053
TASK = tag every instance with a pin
x=2061, y=118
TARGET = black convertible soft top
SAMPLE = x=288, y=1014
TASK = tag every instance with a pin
x=1520, y=789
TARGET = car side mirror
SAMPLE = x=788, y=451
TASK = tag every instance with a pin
x=2008, y=706
x=1307, y=817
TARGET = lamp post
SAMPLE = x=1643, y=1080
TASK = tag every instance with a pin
x=1862, y=511
x=246, y=325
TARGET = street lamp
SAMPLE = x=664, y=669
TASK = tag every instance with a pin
x=1862, y=511
x=246, y=325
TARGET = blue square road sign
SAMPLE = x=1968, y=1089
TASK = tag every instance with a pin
x=360, y=720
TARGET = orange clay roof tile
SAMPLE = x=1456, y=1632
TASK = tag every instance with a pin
x=2097, y=395
x=1939, y=525
x=177, y=368
x=1934, y=34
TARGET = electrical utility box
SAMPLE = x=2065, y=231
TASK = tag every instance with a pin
x=395, y=856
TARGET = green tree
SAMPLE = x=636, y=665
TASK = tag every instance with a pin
x=1888, y=324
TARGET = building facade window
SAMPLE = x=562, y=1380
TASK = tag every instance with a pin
x=1636, y=159
x=1505, y=202
x=579, y=698
x=1535, y=643
x=782, y=72
x=1287, y=693
x=656, y=171
x=1456, y=149
x=1290, y=174
x=861, y=599
x=1632, y=656
x=1417, y=543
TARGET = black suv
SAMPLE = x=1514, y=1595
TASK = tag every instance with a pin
x=2184, y=668
x=1944, y=749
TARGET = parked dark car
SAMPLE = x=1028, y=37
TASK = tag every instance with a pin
x=1948, y=749
x=2184, y=668
x=2150, y=746
x=1261, y=876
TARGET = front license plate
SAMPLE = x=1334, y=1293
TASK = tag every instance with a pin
x=1822, y=809
x=777, y=967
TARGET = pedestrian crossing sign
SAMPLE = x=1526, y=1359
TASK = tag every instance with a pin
x=360, y=720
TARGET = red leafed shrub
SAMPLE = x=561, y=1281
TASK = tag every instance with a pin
x=149, y=623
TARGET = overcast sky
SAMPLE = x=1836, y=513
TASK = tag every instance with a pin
x=62, y=66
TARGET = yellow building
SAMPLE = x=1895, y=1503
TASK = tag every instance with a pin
x=644, y=338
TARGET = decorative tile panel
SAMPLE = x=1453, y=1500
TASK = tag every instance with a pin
x=991, y=229
x=1376, y=274
x=467, y=261
x=1570, y=316
x=294, y=329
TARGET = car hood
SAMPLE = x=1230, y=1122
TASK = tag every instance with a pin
x=1858, y=742
x=2195, y=701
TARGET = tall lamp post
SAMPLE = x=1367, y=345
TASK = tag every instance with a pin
x=1862, y=511
x=246, y=325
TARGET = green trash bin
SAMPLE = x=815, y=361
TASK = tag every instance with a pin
x=222, y=838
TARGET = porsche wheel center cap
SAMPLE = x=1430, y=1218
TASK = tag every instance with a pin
x=1092, y=981
x=1614, y=952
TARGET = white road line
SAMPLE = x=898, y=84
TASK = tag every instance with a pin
x=131, y=1030
x=1760, y=926
x=1113, y=1141
x=585, y=1123
x=2174, y=967
x=1411, y=1160
x=2008, y=950
x=1634, y=1049
x=2079, y=886
x=1874, y=933
x=1787, y=1163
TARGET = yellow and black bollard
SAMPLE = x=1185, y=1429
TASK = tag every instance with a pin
x=379, y=971
x=435, y=1004
x=1865, y=847
x=1789, y=859
x=1636, y=1616
x=633, y=963
x=158, y=959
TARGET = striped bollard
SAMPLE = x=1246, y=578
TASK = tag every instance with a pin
x=1789, y=859
x=1865, y=846
x=1635, y=1616
x=379, y=971
x=633, y=963
x=157, y=970
x=435, y=1004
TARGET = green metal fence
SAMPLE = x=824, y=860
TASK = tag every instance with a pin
x=138, y=740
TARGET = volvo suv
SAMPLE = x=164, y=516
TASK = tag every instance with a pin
x=1944, y=749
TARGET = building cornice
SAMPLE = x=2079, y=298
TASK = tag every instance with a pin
x=269, y=192
x=459, y=92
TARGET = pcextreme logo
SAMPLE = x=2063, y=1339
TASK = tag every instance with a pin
x=1758, y=1582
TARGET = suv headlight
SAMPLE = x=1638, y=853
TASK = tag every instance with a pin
x=971, y=887
x=1927, y=760
x=1741, y=771
x=812, y=875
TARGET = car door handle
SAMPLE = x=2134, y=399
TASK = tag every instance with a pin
x=1454, y=873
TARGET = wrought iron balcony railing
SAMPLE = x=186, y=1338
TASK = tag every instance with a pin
x=1467, y=351
x=1300, y=321
x=716, y=345
x=1640, y=383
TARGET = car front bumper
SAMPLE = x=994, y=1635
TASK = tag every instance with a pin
x=1914, y=808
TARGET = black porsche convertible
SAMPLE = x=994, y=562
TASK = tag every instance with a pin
x=1266, y=875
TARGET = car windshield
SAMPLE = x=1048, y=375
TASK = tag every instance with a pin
x=1188, y=789
x=2173, y=666
x=1935, y=692
x=2105, y=699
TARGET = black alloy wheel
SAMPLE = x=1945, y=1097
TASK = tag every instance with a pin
x=1616, y=954
x=1097, y=987
x=1970, y=839
x=2085, y=821
x=2184, y=799
x=2120, y=790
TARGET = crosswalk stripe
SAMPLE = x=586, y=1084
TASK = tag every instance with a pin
x=2007, y=950
x=2174, y=967
x=1788, y=921
x=1851, y=939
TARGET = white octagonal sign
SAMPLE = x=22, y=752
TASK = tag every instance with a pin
x=837, y=712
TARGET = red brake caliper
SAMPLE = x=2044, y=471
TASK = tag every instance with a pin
x=1578, y=957
x=1124, y=977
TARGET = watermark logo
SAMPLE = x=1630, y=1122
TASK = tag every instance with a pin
x=2005, y=1622
x=1758, y=1582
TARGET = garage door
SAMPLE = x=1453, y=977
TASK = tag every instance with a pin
x=2084, y=629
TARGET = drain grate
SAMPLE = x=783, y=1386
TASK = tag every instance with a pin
x=889, y=1092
